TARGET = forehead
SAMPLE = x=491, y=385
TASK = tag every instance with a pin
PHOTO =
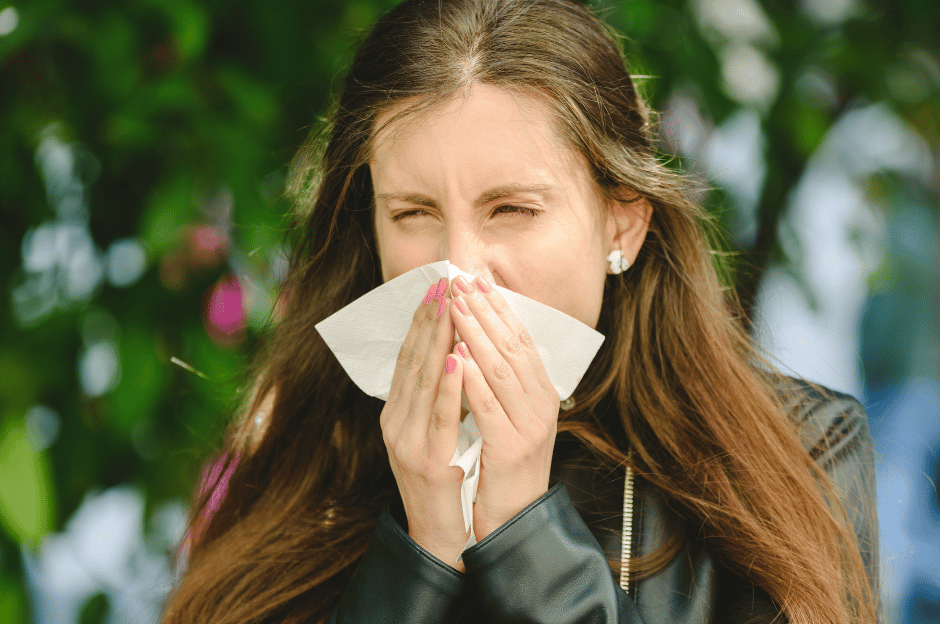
x=480, y=115
x=478, y=135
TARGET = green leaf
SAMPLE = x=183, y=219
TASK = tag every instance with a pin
x=12, y=602
x=26, y=492
x=95, y=610
x=191, y=23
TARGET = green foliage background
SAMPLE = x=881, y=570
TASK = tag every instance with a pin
x=182, y=107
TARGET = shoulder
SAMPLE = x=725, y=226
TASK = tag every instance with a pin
x=829, y=423
x=833, y=428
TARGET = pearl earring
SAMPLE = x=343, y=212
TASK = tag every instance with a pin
x=618, y=264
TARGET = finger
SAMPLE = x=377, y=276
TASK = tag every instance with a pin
x=495, y=368
x=499, y=306
x=444, y=428
x=409, y=361
x=491, y=420
x=427, y=379
x=508, y=346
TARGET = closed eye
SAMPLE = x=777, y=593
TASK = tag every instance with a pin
x=531, y=212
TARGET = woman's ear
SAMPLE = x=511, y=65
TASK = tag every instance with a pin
x=628, y=224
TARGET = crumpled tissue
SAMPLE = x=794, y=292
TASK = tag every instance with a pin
x=367, y=335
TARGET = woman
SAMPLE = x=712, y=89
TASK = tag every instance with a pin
x=507, y=137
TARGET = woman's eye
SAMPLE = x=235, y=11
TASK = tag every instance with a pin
x=405, y=214
x=531, y=212
x=522, y=209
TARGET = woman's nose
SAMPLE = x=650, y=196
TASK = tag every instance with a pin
x=466, y=259
x=468, y=254
x=473, y=269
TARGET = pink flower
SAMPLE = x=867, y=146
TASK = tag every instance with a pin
x=225, y=311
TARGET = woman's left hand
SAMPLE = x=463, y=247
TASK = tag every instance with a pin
x=513, y=402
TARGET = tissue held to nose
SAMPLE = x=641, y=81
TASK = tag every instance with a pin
x=438, y=486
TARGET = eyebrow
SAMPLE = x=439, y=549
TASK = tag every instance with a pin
x=486, y=197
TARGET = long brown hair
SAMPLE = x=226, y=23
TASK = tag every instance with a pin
x=677, y=380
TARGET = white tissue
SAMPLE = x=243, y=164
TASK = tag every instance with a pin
x=367, y=335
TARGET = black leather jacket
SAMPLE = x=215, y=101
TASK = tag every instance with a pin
x=549, y=563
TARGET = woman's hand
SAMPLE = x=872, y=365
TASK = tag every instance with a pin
x=513, y=402
x=420, y=424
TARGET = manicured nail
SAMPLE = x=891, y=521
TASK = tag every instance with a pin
x=460, y=304
x=440, y=307
x=482, y=285
x=461, y=285
x=431, y=290
x=463, y=348
x=441, y=288
x=450, y=364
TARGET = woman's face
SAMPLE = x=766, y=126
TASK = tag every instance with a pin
x=484, y=183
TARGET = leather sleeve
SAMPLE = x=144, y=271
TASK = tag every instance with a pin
x=835, y=433
x=545, y=565
x=398, y=581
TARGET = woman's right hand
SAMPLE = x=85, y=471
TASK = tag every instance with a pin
x=420, y=424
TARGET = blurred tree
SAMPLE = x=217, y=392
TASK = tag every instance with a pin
x=143, y=154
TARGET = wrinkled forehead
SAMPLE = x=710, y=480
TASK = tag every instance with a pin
x=405, y=117
x=529, y=125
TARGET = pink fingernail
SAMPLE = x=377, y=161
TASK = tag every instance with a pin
x=460, y=347
x=431, y=290
x=440, y=307
x=441, y=288
x=482, y=286
x=459, y=282
x=450, y=364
